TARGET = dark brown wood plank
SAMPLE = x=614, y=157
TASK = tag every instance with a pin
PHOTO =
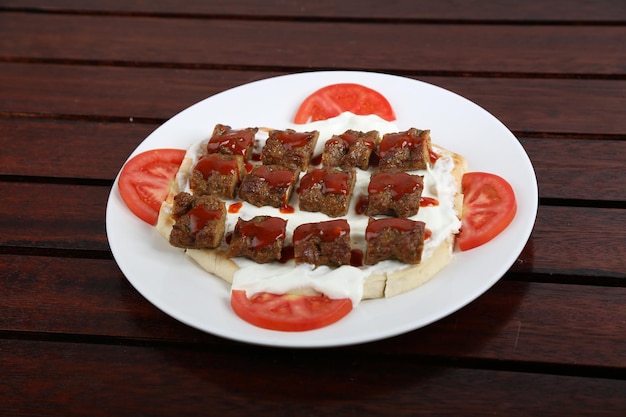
x=507, y=10
x=574, y=241
x=513, y=321
x=561, y=162
x=529, y=322
x=117, y=380
x=23, y=141
x=592, y=107
x=67, y=149
x=384, y=47
x=109, y=92
x=58, y=295
x=53, y=216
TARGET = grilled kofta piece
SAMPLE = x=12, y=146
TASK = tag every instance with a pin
x=327, y=190
x=351, y=149
x=407, y=151
x=323, y=243
x=394, y=193
x=200, y=221
x=260, y=239
x=394, y=238
x=289, y=148
x=217, y=174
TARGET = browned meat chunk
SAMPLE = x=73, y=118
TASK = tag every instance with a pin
x=200, y=221
x=232, y=141
x=391, y=238
x=351, y=149
x=268, y=185
x=394, y=193
x=407, y=151
x=260, y=239
x=217, y=174
x=289, y=148
x=324, y=243
x=327, y=190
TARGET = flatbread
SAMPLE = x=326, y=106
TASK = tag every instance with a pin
x=375, y=285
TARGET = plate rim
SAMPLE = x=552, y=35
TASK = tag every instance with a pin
x=281, y=339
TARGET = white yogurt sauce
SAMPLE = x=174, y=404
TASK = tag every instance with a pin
x=345, y=281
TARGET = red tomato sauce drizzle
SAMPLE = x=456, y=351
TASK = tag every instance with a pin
x=238, y=141
x=214, y=164
x=326, y=231
x=402, y=225
x=276, y=178
x=292, y=140
x=361, y=204
x=286, y=254
x=433, y=156
x=199, y=216
x=316, y=160
x=263, y=233
x=356, y=257
x=235, y=207
x=399, y=140
x=331, y=182
x=399, y=184
x=287, y=209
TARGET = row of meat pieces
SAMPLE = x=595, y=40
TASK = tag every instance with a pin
x=201, y=220
x=225, y=170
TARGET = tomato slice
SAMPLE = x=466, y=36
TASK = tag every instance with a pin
x=334, y=99
x=145, y=180
x=290, y=313
x=489, y=206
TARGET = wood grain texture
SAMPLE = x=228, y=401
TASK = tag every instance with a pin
x=83, y=83
x=424, y=47
x=581, y=107
x=472, y=10
x=313, y=382
x=576, y=241
x=475, y=10
x=579, y=169
x=67, y=149
x=53, y=216
x=513, y=321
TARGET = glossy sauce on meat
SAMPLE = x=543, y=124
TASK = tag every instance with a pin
x=399, y=184
x=326, y=231
x=231, y=141
x=263, y=233
x=292, y=140
x=214, y=164
x=200, y=216
x=331, y=182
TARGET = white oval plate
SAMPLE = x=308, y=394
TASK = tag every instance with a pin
x=177, y=286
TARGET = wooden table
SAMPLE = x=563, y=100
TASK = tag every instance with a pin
x=83, y=83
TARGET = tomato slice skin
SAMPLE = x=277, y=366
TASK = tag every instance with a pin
x=489, y=206
x=145, y=180
x=334, y=99
x=287, y=312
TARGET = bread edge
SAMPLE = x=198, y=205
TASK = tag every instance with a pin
x=376, y=285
